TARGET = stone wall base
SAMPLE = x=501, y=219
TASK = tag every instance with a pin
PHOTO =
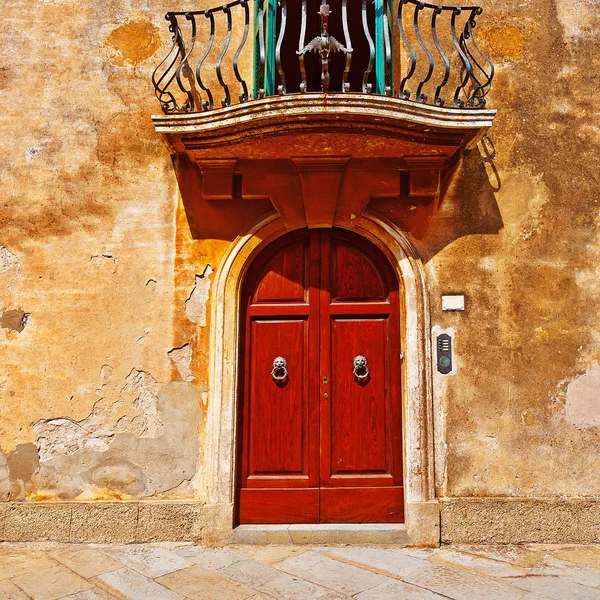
x=520, y=520
x=121, y=522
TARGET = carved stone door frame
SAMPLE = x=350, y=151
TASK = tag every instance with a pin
x=421, y=506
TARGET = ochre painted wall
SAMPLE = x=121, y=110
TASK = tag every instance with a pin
x=100, y=279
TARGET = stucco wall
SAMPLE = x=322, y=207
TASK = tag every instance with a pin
x=104, y=295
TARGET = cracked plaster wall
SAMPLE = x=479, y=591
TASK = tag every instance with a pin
x=92, y=296
x=95, y=247
x=519, y=234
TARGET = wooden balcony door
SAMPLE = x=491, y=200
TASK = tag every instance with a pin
x=320, y=441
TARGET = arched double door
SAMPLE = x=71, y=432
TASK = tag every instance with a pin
x=320, y=421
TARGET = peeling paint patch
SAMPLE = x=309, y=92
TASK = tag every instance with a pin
x=133, y=42
x=182, y=357
x=133, y=466
x=195, y=305
x=4, y=478
x=583, y=400
x=7, y=260
x=579, y=20
x=22, y=463
x=63, y=437
x=16, y=320
x=145, y=390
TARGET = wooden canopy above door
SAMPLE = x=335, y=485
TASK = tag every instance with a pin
x=318, y=160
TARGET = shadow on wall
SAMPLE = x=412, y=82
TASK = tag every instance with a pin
x=466, y=204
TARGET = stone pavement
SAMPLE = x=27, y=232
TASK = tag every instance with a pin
x=180, y=571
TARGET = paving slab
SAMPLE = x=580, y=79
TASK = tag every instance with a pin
x=522, y=556
x=51, y=584
x=330, y=573
x=151, y=561
x=268, y=554
x=398, y=590
x=209, y=558
x=85, y=561
x=460, y=585
x=485, y=566
x=197, y=583
x=9, y=591
x=20, y=561
x=561, y=568
x=557, y=588
x=89, y=595
x=395, y=562
x=288, y=587
x=583, y=555
x=134, y=586
x=250, y=572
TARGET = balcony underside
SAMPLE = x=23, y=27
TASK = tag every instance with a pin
x=319, y=160
x=397, y=124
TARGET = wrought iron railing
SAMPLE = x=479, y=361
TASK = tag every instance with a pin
x=421, y=52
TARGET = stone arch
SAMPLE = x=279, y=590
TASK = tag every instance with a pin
x=421, y=506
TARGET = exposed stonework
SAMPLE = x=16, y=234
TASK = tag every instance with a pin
x=8, y=260
x=520, y=521
x=195, y=306
x=145, y=391
x=4, y=478
x=182, y=357
x=63, y=437
x=131, y=465
x=582, y=407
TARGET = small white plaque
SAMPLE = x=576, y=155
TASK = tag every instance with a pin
x=453, y=303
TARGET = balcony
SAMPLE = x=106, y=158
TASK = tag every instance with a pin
x=390, y=87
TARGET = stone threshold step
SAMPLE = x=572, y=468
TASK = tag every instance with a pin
x=360, y=533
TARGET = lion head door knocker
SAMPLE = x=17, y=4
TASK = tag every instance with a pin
x=279, y=372
x=361, y=371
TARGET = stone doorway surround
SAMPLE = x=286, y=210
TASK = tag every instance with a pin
x=421, y=506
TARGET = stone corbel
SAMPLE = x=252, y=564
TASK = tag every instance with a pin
x=320, y=179
x=217, y=178
x=424, y=174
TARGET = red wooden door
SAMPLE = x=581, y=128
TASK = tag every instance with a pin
x=320, y=439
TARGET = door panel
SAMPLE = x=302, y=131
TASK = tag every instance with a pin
x=359, y=440
x=353, y=275
x=278, y=411
x=323, y=445
x=286, y=278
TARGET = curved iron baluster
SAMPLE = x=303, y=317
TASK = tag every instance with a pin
x=186, y=70
x=367, y=87
x=437, y=99
x=207, y=104
x=348, y=44
x=301, y=45
x=167, y=100
x=281, y=89
x=189, y=105
x=262, y=53
x=244, y=95
x=227, y=100
x=388, y=80
x=413, y=55
x=459, y=102
x=480, y=92
x=419, y=96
